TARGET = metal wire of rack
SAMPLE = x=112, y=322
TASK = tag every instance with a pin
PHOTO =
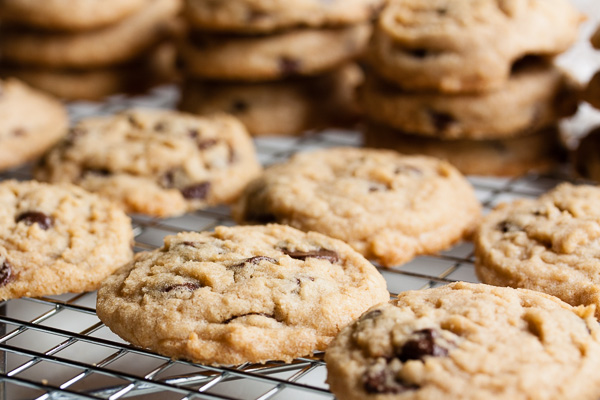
x=56, y=347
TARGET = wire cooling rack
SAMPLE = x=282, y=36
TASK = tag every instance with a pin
x=56, y=348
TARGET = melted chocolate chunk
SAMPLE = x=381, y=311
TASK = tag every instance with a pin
x=260, y=218
x=168, y=179
x=196, y=192
x=324, y=254
x=440, y=120
x=384, y=382
x=289, y=66
x=5, y=273
x=193, y=133
x=239, y=106
x=97, y=171
x=191, y=286
x=207, y=144
x=424, y=345
x=228, y=320
x=34, y=217
x=255, y=260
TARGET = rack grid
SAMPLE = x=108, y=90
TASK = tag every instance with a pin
x=56, y=348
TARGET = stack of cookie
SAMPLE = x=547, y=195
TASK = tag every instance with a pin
x=86, y=50
x=279, y=66
x=470, y=81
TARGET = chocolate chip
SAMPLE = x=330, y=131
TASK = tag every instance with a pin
x=442, y=11
x=191, y=286
x=255, y=260
x=5, y=273
x=168, y=179
x=507, y=226
x=289, y=66
x=384, y=382
x=97, y=171
x=134, y=122
x=206, y=144
x=160, y=126
x=417, y=53
x=324, y=254
x=239, y=106
x=441, y=120
x=193, y=133
x=228, y=320
x=424, y=345
x=196, y=192
x=19, y=132
x=371, y=315
x=33, y=217
x=257, y=217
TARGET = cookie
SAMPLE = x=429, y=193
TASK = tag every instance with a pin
x=536, y=96
x=58, y=239
x=387, y=206
x=547, y=244
x=288, y=107
x=468, y=341
x=241, y=294
x=68, y=14
x=592, y=91
x=111, y=45
x=95, y=84
x=270, y=57
x=30, y=123
x=467, y=45
x=586, y=160
x=540, y=151
x=267, y=16
x=154, y=162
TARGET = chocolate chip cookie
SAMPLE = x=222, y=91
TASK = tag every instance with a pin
x=537, y=95
x=57, y=239
x=387, y=206
x=111, y=45
x=241, y=294
x=155, y=162
x=71, y=15
x=268, y=16
x=539, y=151
x=287, y=107
x=30, y=123
x=467, y=45
x=468, y=341
x=549, y=244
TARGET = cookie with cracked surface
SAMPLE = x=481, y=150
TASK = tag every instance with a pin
x=536, y=96
x=270, y=57
x=58, y=239
x=468, y=341
x=247, y=16
x=288, y=107
x=30, y=123
x=387, y=206
x=115, y=44
x=155, y=162
x=539, y=151
x=69, y=15
x=585, y=159
x=240, y=294
x=466, y=45
x=549, y=244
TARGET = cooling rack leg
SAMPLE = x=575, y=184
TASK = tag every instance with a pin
x=3, y=356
